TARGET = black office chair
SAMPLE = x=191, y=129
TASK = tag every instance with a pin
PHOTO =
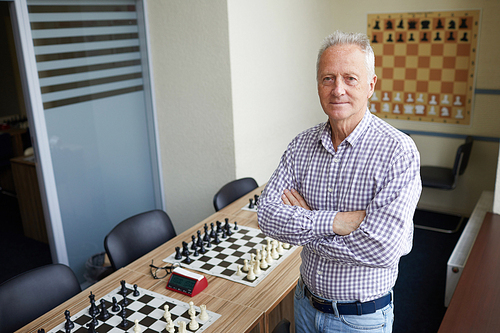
x=136, y=236
x=282, y=327
x=33, y=293
x=446, y=178
x=232, y=191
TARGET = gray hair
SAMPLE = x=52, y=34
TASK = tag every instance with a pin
x=352, y=38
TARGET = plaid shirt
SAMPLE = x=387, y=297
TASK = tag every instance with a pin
x=377, y=169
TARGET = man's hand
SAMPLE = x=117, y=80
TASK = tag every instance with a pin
x=344, y=222
x=293, y=198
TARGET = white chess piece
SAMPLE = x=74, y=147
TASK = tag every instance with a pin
x=170, y=326
x=408, y=109
x=386, y=97
x=239, y=272
x=274, y=254
x=166, y=315
x=396, y=109
x=385, y=107
x=251, y=275
x=137, y=328
x=245, y=266
x=432, y=110
x=279, y=248
x=263, y=252
x=258, y=256
x=203, y=313
x=256, y=268
x=263, y=263
x=372, y=108
x=445, y=112
x=192, y=310
x=419, y=109
x=420, y=98
x=445, y=100
x=286, y=246
x=457, y=101
x=374, y=96
x=433, y=100
x=410, y=98
x=398, y=97
x=182, y=327
x=459, y=114
x=193, y=324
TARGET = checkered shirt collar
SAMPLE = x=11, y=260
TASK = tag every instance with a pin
x=325, y=135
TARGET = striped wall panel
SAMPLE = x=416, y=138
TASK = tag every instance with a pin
x=85, y=52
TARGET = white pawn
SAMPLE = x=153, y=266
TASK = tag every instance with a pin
x=432, y=111
x=182, y=327
x=137, y=328
x=459, y=114
x=251, y=274
x=191, y=311
x=170, y=326
x=263, y=263
x=433, y=100
x=203, y=313
x=286, y=246
x=256, y=268
x=269, y=258
x=263, y=252
x=374, y=96
x=166, y=315
x=274, y=253
x=457, y=101
x=280, y=249
x=193, y=324
x=420, y=98
x=410, y=98
x=239, y=272
x=245, y=266
x=398, y=97
x=372, y=108
x=445, y=100
x=396, y=109
x=386, y=97
x=258, y=256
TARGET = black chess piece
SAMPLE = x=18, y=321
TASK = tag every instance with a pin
x=199, y=241
x=206, y=236
x=202, y=249
x=178, y=255
x=193, y=240
x=228, y=229
x=401, y=25
x=437, y=38
x=124, y=302
x=439, y=24
x=115, y=307
x=235, y=225
x=104, y=312
x=390, y=38
x=250, y=204
x=464, y=38
x=136, y=292
x=94, y=320
x=123, y=315
x=212, y=230
x=224, y=233
x=451, y=37
x=451, y=25
x=374, y=40
x=218, y=223
x=388, y=25
x=463, y=25
x=41, y=330
x=256, y=199
x=411, y=39
x=93, y=309
x=123, y=290
x=216, y=239
x=91, y=327
x=69, y=325
x=185, y=249
x=187, y=260
x=400, y=38
x=377, y=25
x=424, y=38
x=196, y=254
x=425, y=24
x=412, y=25
x=209, y=244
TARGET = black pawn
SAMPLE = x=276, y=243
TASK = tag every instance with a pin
x=104, y=312
x=202, y=249
x=115, y=307
x=374, y=40
x=178, y=255
x=69, y=325
x=451, y=36
x=390, y=38
x=212, y=230
x=424, y=38
x=91, y=328
x=400, y=39
x=235, y=225
x=136, y=292
x=377, y=25
x=438, y=38
x=124, y=322
x=464, y=38
x=224, y=233
x=193, y=240
x=250, y=205
x=196, y=254
x=199, y=241
x=41, y=330
x=209, y=244
x=94, y=321
x=187, y=260
x=411, y=38
x=218, y=226
x=123, y=290
x=217, y=240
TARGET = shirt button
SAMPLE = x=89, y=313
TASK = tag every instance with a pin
x=330, y=190
x=320, y=272
x=336, y=160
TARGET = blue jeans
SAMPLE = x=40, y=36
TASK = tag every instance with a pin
x=310, y=320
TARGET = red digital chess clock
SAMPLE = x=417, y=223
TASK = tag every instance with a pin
x=186, y=282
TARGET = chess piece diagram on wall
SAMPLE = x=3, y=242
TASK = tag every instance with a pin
x=425, y=63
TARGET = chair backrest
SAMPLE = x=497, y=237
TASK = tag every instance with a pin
x=31, y=294
x=136, y=236
x=232, y=191
x=462, y=157
x=6, y=150
x=282, y=327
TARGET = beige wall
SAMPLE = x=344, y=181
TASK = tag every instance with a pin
x=235, y=82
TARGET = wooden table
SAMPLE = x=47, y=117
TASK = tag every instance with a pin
x=475, y=303
x=243, y=308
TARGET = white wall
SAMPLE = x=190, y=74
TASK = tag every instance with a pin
x=190, y=56
x=273, y=48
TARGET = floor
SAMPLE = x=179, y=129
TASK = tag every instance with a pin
x=419, y=291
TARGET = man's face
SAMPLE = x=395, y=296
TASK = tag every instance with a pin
x=343, y=85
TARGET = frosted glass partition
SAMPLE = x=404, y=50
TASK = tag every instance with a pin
x=92, y=82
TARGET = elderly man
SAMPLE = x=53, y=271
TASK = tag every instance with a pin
x=345, y=190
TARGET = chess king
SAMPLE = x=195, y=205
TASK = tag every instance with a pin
x=346, y=191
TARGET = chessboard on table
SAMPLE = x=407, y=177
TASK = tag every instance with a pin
x=425, y=64
x=147, y=308
x=222, y=259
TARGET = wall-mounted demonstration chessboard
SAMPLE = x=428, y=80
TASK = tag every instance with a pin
x=425, y=63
